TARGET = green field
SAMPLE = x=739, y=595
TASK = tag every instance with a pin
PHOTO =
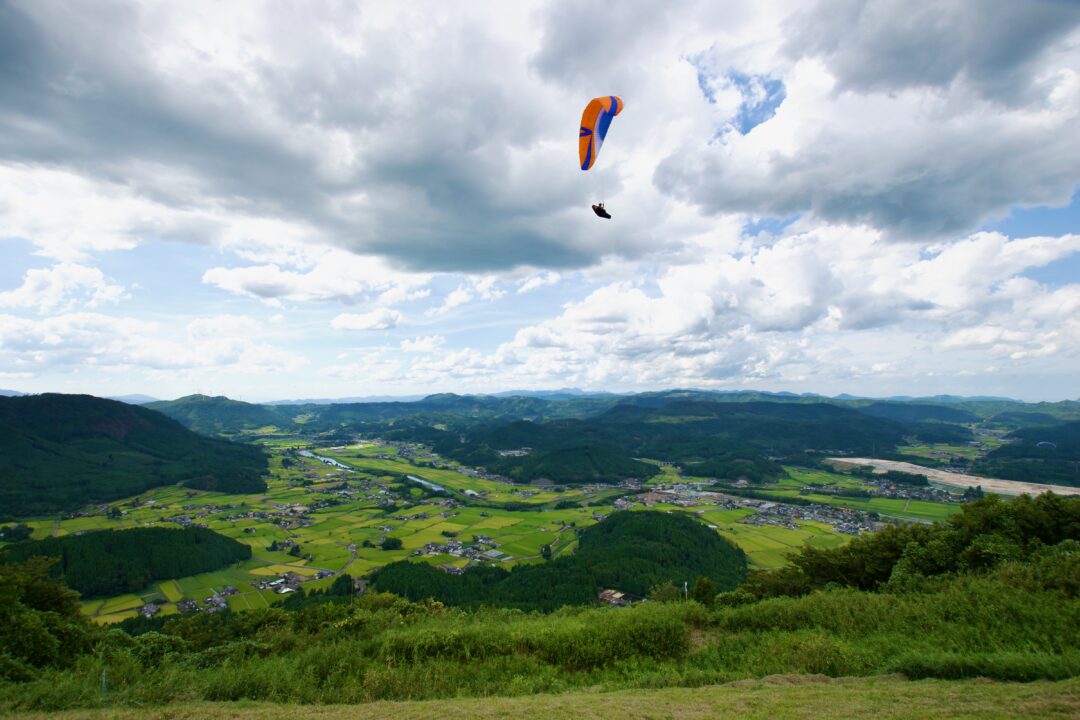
x=341, y=537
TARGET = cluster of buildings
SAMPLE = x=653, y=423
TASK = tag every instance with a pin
x=480, y=549
x=287, y=583
x=889, y=489
x=842, y=520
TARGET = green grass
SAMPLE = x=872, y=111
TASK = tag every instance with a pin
x=774, y=698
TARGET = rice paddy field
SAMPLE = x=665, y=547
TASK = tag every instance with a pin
x=342, y=532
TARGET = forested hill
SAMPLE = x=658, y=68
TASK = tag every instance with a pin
x=219, y=415
x=112, y=562
x=632, y=552
x=61, y=452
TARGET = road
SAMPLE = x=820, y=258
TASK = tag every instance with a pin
x=942, y=477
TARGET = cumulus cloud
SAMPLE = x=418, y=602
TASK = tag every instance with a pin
x=480, y=288
x=425, y=344
x=336, y=276
x=73, y=341
x=379, y=319
x=443, y=160
x=916, y=162
x=420, y=162
x=60, y=287
x=998, y=49
x=802, y=307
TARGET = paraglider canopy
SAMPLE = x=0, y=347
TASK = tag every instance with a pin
x=1046, y=444
x=594, y=126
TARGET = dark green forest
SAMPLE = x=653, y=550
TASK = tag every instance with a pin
x=632, y=552
x=61, y=452
x=113, y=562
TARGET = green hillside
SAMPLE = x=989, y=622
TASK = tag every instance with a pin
x=219, y=415
x=61, y=452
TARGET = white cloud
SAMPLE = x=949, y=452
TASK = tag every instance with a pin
x=335, y=276
x=475, y=288
x=451, y=180
x=379, y=319
x=60, y=287
x=72, y=341
x=426, y=344
x=539, y=280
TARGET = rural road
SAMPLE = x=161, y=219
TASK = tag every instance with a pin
x=1001, y=487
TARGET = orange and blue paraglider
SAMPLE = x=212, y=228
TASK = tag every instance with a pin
x=594, y=126
x=595, y=122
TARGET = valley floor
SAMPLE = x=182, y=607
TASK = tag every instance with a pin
x=772, y=698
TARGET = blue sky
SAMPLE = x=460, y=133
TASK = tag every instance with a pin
x=385, y=200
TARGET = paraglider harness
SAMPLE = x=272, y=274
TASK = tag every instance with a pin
x=600, y=211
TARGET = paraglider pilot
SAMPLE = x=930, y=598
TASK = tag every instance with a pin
x=599, y=210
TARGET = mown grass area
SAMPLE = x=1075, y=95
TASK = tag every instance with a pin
x=772, y=698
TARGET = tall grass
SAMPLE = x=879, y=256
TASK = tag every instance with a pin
x=379, y=649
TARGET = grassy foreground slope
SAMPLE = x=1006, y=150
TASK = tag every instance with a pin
x=773, y=698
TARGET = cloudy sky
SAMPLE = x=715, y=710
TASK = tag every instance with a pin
x=289, y=200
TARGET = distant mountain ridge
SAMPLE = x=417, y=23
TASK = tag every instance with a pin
x=233, y=418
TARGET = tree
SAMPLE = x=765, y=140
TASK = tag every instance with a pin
x=666, y=592
x=704, y=591
x=342, y=585
x=15, y=533
x=42, y=619
x=391, y=544
x=545, y=552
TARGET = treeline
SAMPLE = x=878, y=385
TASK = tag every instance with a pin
x=113, y=562
x=985, y=534
x=62, y=452
x=632, y=552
